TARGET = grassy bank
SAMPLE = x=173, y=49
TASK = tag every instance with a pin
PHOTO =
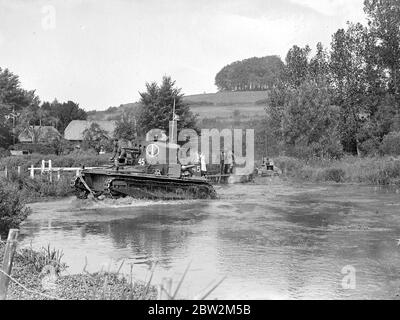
x=41, y=187
x=76, y=159
x=37, y=273
x=373, y=171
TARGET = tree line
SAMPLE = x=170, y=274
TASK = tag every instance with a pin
x=343, y=99
x=250, y=74
x=29, y=112
x=31, y=115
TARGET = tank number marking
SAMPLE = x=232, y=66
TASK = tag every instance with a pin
x=142, y=162
x=198, y=169
x=157, y=172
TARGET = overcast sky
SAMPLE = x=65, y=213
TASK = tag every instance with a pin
x=101, y=53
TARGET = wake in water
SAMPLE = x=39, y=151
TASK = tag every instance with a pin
x=127, y=202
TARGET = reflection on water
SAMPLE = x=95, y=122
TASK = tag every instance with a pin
x=271, y=240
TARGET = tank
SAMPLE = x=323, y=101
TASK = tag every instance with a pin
x=145, y=173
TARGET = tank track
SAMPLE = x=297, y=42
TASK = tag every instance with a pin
x=164, y=190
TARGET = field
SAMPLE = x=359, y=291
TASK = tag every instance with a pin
x=222, y=105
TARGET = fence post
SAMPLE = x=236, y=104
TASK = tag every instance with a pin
x=43, y=166
x=32, y=172
x=5, y=172
x=50, y=171
x=19, y=171
x=8, y=261
x=58, y=175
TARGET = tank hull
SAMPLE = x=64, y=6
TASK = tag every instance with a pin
x=120, y=183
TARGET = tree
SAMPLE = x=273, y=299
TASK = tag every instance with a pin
x=126, y=126
x=304, y=120
x=12, y=98
x=95, y=136
x=156, y=107
x=384, y=24
x=297, y=65
x=319, y=64
x=62, y=114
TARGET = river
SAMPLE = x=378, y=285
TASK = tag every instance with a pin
x=271, y=240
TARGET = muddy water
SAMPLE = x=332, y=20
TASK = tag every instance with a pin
x=271, y=240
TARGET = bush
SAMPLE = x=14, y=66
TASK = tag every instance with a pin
x=41, y=187
x=370, y=147
x=12, y=206
x=391, y=144
x=4, y=153
x=332, y=174
x=289, y=166
x=36, y=148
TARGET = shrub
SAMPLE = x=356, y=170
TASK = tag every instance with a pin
x=4, y=153
x=288, y=165
x=391, y=144
x=332, y=174
x=12, y=206
x=370, y=147
x=46, y=256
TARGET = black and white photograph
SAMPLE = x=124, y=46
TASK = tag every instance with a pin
x=199, y=150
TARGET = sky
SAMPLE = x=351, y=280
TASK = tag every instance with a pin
x=100, y=53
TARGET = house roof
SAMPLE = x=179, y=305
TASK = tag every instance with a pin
x=75, y=129
x=45, y=133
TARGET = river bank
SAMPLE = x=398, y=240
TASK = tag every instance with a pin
x=367, y=171
x=38, y=275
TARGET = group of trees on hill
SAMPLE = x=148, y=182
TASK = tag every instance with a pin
x=250, y=75
x=345, y=98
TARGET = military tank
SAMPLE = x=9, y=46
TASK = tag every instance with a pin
x=145, y=173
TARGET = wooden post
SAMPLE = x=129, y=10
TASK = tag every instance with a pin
x=8, y=261
x=58, y=174
x=32, y=172
x=5, y=172
x=19, y=171
x=50, y=171
x=43, y=166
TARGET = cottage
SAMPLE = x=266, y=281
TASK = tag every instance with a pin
x=38, y=134
x=75, y=130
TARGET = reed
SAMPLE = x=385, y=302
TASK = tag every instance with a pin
x=373, y=171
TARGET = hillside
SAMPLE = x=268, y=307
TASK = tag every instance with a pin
x=250, y=104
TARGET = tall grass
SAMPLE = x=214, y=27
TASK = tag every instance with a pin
x=374, y=171
x=76, y=159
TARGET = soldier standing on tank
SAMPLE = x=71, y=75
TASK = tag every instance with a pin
x=119, y=150
x=115, y=149
x=222, y=163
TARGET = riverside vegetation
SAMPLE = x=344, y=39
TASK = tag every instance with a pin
x=37, y=275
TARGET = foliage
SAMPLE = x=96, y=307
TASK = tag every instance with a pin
x=95, y=137
x=303, y=120
x=12, y=98
x=391, y=144
x=12, y=207
x=74, y=159
x=125, y=127
x=157, y=107
x=45, y=257
x=250, y=74
x=61, y=114
x=373, y=171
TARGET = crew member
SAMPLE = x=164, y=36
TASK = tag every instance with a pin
x=203, y=165
x=222, y=163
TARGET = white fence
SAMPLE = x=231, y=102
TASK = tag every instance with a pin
x=49, y=170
